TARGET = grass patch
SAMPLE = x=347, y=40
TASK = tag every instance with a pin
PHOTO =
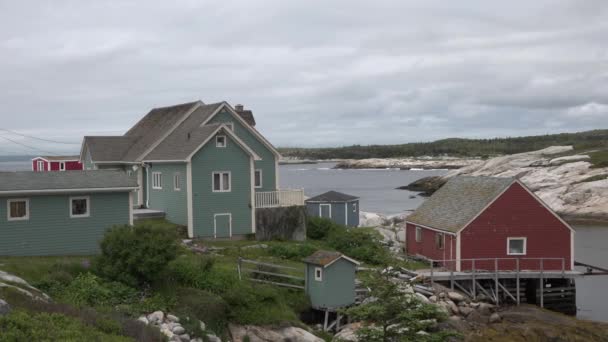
x=599, y=159
x=593, y=178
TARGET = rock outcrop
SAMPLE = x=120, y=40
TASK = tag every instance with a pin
x=569, y=184
x=262, y=334
x=424, y=163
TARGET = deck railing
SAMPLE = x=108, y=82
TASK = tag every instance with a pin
x=279, y=198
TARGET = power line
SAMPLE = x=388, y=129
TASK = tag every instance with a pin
x=30, y=147
x=41, y=139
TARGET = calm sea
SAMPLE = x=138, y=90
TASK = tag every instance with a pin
x=376, y=188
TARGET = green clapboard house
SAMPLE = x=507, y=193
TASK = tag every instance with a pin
x=204, y=165
x=61, y=213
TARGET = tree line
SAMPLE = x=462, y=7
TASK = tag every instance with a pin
x=456, y=147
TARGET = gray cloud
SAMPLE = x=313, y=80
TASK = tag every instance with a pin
x=315, y=73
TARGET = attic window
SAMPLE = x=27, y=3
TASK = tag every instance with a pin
x=230, y=125
x=318, y=274
x=220, y=141
x=516, y=246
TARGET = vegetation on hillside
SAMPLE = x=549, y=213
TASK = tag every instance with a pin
x=596, y=139
x=144, y=268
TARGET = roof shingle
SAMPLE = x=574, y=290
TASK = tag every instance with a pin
x=332, y=196
x=458, y=201
x=67, y=180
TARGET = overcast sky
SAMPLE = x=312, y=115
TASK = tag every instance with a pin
x=315, y=73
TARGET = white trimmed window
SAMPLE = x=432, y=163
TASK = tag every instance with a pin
x=61, y=166
x=318, y=274
x=258, y=178
x=80, y=207
x=220, y=141
x=355, y=207
x=157, y=180
x=177, y=183
x=418, y=234
x=439, y=240
x=18, y=209
x=40, y=165
x=516, y=246
x=221, y=181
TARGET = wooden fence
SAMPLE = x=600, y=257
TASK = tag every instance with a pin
x=279, y=275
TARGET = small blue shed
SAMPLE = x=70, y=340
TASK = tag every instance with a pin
x=341, y=208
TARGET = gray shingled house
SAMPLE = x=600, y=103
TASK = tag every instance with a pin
x=341, y=208
x=61, y=213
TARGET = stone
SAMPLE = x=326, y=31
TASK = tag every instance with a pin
x=263, y=334
x=178, y=329
x=348, y=333
x=5, y=308
x=422, y=333
x=455, y=296
x=172, y=318
x=465, y=310
x=144, y=320
x=198, y=339
x=474, y=305
x=167, y=332
x=486, y=309
x=433, y=299
x=422, y=297
x=454, y=318
x=213, y=338
x=370, y=219
x=495, y=318
x=453, y=307
x=157, y=317
x=442, y=295
x=202, y=325
x=184, y=338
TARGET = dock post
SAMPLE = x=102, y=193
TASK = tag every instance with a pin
x=517, y=280
x=432, y=273
x=474, y=281
x=563, y=268
x=452, y=277
x=326, y=320
x=542, y=286
x=238, y=268
x=496, y=278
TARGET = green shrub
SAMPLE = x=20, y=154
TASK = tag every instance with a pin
x=291, y=251
x=360, y=244
x=257, y=305
x=136, y=255
x=195, y=305
x=599, y=158
x=594, y=178
x=89, y=290
x=318, y=228
x=201, y=273
x=23, y=326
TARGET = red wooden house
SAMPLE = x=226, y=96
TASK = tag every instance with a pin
x=497, y=221
x=56, y=163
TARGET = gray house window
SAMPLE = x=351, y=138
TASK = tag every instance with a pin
x=258, y=178
x=177, y=184
x=220, y=141
x=439, y=240
x=221, y=181
x=157, y=180
x=79, y=207
x=18, y=209
x=318, y=274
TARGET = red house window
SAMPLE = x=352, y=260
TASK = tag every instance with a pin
x=418, y=234
x=439, y=240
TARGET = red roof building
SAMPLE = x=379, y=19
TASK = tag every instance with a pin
x=497, y=221
x=56, y=163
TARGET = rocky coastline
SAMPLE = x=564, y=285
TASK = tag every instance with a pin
x=568, y=182
x=422, y=163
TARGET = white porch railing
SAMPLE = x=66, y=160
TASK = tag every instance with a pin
x=279, y=198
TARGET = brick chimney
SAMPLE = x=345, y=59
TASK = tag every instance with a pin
x=239, y=108
x=246, y=114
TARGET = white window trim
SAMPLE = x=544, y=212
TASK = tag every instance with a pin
x=230, y=125
x=87, y=214
x=40, y=165
x=218, y=144
x=318, y=274
x=525, y=239
x=418, y=234
x=261, y=179
x=157, y=185
x=354, y=207
x=61, y=166
x=221, y=181
x=27, y=209
x=177, y=181
x=321, y=210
